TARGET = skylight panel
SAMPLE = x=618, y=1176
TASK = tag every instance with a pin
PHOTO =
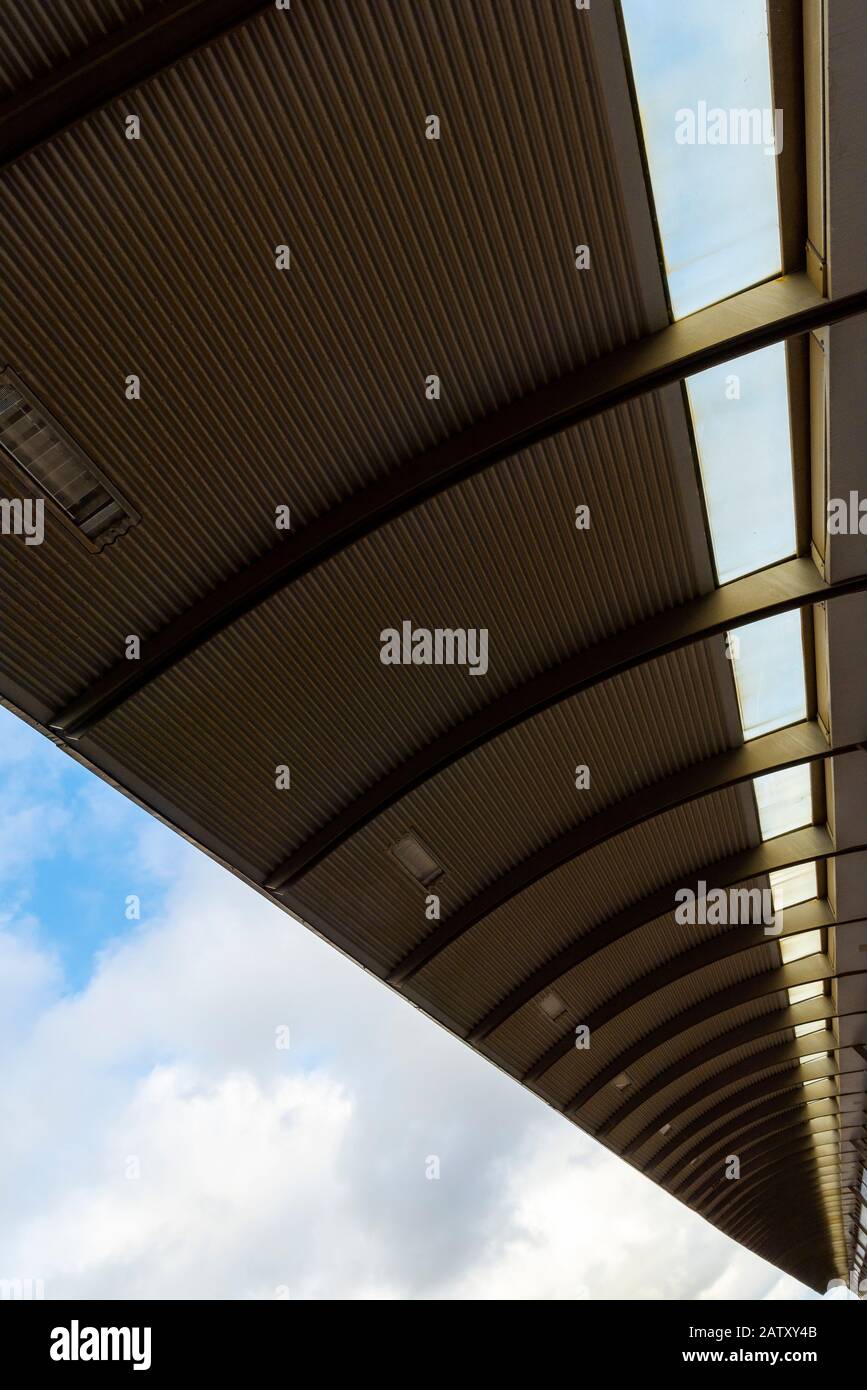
x=794, y=885
x=740, y=414
x=803, y=1029
x=798, y=993
x=703, y=86
x=768, y=660
x=785, y=800
x=796, y=947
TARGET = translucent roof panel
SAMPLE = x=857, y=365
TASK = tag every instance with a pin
x=703, y=85
x=806, y=943
x=802, y=1029
x=768, y=660
x=785, y=800
x=794, y=885
x=797, y=993
x=740, y=413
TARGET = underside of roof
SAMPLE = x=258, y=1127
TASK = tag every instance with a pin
x=255, y=714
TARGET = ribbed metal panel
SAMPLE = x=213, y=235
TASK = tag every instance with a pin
x=261, y=387
x=36, y=36
x=650, y=1066
x=645, y=1157
x=635, y=1023
x=520, y=794
x=478, y=971
x=680, y=1091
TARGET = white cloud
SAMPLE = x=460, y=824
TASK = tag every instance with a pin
x=262, y=1168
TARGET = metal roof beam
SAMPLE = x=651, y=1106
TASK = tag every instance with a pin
x=805, y=971
x=813, y=1010
x=793, y=584
x=797, y=847
x=123, y=59
x=798, y=744
x=765, y=314
x=773, y=1056
x=812, y=916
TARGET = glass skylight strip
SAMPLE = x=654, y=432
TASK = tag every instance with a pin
x=806, y=943
x=802, y=1029
x=740, y=413
x=703, y=85
x=785, y=800
x=797, y=993
x=795, y=885
x=768, y=661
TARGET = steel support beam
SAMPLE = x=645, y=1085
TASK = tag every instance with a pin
x=123, y=59
x=781, y=588
x=764, y=314
x=797, y=847
x=782, y=1054
x=688, y=1185
x=814, y=1010
x=772, y=1150
x=811, y=968
x=791, y=1079
x=798, y=744
x=723, y=1208
x=810, y=916
x=735, y=1116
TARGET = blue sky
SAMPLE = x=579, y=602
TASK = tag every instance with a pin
x=159, y=1144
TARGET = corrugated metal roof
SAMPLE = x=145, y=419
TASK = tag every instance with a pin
x=260, y=388
x=36, y=36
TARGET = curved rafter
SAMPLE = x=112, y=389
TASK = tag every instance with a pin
x=778, y=1084
x=756, y=317
x=779, y=1203
x=808, y=1011
x=739, y=1212
x=786, y=1102
x=781, y=588
x=818, y=1176
x=750, y=1191
x=822, y=1068
x=774, y=981
x=782, y=1054
x=814, y=915
x=123, y=59
x=773, y=1149
x=798, y=744
x=801, y=1223
x=735, y=1116
x=683, y=1184
x=797, y=847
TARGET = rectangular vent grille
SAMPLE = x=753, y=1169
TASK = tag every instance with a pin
x=58, y=468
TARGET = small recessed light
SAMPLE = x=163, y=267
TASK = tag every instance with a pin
x=416, y=858
x=623, y=1081
x=665, y=1129
x=552, y=1005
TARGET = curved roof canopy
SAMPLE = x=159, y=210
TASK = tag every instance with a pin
x=381, y=495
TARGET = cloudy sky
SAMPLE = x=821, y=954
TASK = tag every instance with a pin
x=158, y=1143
